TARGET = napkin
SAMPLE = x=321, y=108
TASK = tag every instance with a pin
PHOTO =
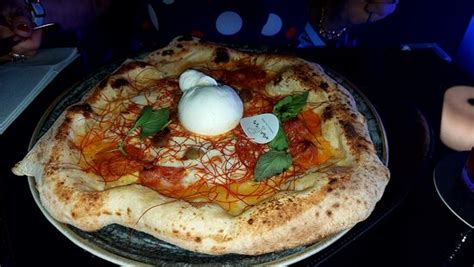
x=21, y=82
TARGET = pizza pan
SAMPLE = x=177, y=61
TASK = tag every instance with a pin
x=448, y=181
x=124, y=246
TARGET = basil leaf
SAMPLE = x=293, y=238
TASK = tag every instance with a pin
x=151, y=121
x=289, y=107
x=272, y=163
x=280, y=142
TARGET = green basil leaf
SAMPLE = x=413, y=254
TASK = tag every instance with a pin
x=280, y=142
x=272, y=163
x=289, y=107
x=151, y=121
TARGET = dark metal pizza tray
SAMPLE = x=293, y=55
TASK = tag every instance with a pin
x=409, y=118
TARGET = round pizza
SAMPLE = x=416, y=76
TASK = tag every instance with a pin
x=212, y=149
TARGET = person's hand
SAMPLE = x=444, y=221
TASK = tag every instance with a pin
x=368, y=11
x=17, y=29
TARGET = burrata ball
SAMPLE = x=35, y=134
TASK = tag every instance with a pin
x=207, y=108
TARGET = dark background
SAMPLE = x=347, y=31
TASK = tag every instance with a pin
x=124, y=30
x=422, y=21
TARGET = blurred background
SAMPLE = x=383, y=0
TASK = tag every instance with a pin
x=437, y=24
x=445, y=26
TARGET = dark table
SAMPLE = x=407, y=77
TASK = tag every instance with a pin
x=409, y=227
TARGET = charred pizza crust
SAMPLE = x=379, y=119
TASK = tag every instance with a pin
x=341, y=195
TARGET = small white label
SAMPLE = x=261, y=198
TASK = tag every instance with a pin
x=262, y=128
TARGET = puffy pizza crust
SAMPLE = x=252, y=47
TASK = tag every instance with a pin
x=343, y=194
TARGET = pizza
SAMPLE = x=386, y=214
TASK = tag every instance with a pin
x=159, y=146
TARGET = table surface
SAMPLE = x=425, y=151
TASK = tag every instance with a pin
x=410, y=226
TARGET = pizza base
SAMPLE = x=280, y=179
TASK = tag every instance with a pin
x=342, y=196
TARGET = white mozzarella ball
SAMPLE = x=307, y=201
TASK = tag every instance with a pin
x=210, y=110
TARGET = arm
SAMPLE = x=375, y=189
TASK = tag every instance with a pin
x=16, y=22
x=16, y=27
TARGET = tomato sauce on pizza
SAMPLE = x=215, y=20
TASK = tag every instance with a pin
x=220, y=169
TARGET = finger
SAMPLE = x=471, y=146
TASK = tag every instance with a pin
x=29, y=47
x=22, y=26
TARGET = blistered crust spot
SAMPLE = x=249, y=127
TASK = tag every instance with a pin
x=272, y=213
x=88, y=203
x=324, y=85
x=83, y=109
x=221, y=55
x=63, y=130
x=106, y=212
x=277, y=79
x=103, y=83
x=167, y=52
x=328, y=113
x=63, y=192
x=349, y=130
x=309, y=78
x=355, y=140
x=119, y=83
x=217, y=249
x=96, y=94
